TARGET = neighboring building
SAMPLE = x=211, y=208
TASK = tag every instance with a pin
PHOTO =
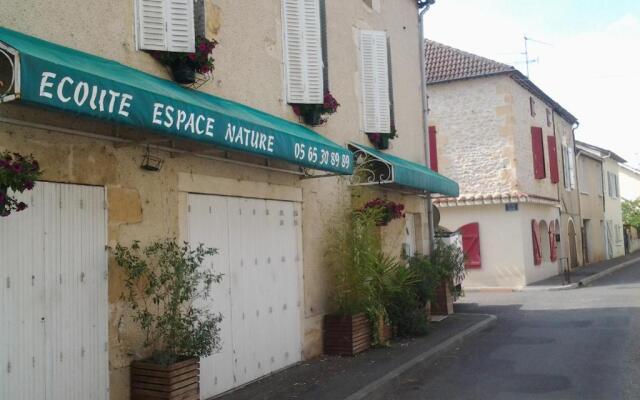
x=630, y=190
x=92, y=122
x=510, y=148
x=591, y=205
x=629, y=182
x=605, y=188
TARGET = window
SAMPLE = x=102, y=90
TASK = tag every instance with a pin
x=537, y=249
x=572, y=167
x=554, y=228
x=618, y=233
x=553, y=159
x=565, y=167
x=375, y=82
x=537, y=146
x=584, y=183
x=433, y=149
x=612, y=180
x=303, y=55
x=532, y=106
x=548, y=117
x=543, y=237
x=165, y=25
x=471, y=245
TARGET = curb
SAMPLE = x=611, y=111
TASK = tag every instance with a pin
x=595, y=277
x=369, y=389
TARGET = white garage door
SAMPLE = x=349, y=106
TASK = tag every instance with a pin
x=258, y=244
x=53, y=296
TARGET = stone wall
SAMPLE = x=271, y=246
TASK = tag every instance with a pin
x=475, y=126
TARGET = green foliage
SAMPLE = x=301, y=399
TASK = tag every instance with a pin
x=631, y=212
x=448, y=260
x=353, y=248
x=163, y=282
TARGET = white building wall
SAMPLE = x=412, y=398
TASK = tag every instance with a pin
x=501, y=244
x=547, y=268
x=629, y=183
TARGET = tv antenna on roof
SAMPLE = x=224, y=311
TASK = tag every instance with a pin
x=527, y=60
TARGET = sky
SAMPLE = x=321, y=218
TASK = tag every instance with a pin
x=588, y=61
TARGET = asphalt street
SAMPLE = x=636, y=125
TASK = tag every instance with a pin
x=571, y=344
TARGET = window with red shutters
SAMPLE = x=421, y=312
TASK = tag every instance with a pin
x=471, y=245
x=553, y=159
x=433, y=149
x=537, y=147
x=553, y=245
x=537, y=249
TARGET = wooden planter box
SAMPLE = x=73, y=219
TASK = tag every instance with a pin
x=179, y=381
x=346, y=335
x=443, y=302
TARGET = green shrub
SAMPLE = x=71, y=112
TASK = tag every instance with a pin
x=163, y=282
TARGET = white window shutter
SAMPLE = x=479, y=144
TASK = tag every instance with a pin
x=303, y=51
x=572, y=167
x=151, y=16
x=375, y=81
x=180, y=26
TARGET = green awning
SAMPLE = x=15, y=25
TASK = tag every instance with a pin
x=50, y=75
x=378, y=168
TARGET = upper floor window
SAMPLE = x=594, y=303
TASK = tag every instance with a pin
x=165, y=25
x=613, y=189
x=376, y=89
x=537, y=145
x=549, y=120
x=303, y=51
x=532, y=106
x=568, y=166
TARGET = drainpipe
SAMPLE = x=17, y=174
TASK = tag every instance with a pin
x=423, y=6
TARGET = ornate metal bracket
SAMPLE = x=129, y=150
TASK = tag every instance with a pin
x=7, y=74
x=370, y=170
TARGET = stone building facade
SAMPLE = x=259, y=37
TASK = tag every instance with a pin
x=510, y=148
x=77, y=152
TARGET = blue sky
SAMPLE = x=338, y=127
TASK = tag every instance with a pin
x=591, y=64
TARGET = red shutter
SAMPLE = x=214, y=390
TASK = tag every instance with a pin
x=553, y=245
x=433, y=149
x=537, y=249
x=471, y=245
x=553, y=159
x=537, y=146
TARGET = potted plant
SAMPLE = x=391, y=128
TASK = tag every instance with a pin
x=381, y=140
x=387, y=210
x=164, y=284
x=354, y=246
x=185, y=65
x=312, y=114
x=17, y=174
x=448, y=260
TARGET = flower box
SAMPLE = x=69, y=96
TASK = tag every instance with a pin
x=443, y=302
x=346, y=335
x=180, y=380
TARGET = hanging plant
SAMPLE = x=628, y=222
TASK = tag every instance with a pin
x=312, y=114
x=17, y=174
x=185, y=65
x=381, y=140
x=387, y=210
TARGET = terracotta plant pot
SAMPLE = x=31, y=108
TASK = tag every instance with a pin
x=346, y=335
x=385, y=331
x=150, y=381
x=443, y=302
x=183, y=73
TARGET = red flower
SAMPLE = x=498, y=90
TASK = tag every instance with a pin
x=21, y=206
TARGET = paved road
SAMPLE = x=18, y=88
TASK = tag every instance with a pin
x=574, y=344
